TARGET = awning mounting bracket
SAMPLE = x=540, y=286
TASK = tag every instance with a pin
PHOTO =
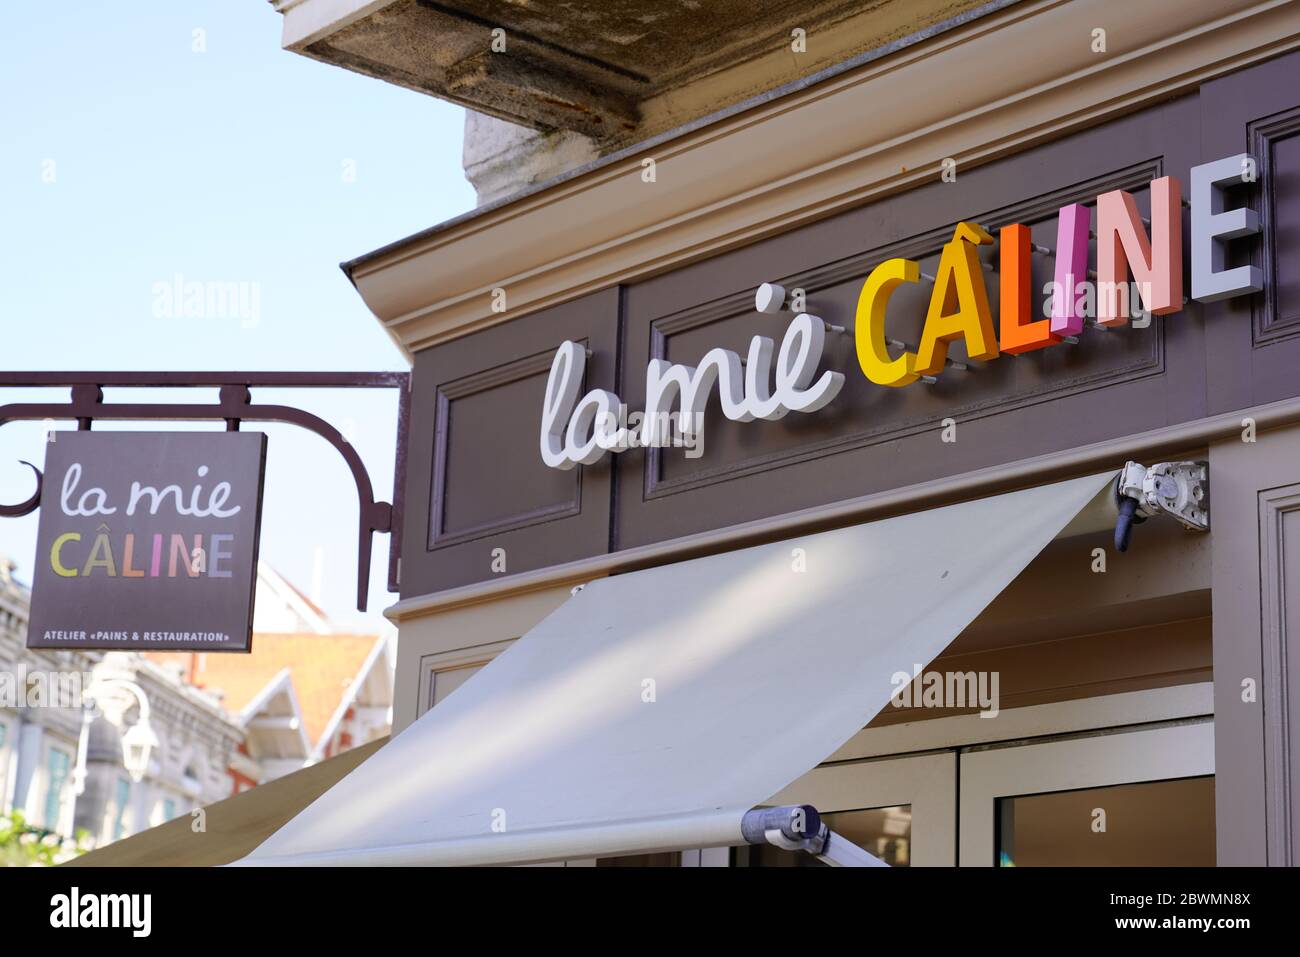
x=1180, y=489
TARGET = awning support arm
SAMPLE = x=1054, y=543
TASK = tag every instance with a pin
x=1180, y=489
x=799, y=827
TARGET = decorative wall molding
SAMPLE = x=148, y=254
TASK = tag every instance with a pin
x=991, y=87
x=1279, y=520
x=448, y=393
x=1268, y=324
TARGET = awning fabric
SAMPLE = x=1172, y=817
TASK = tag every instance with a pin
x=232, y=827
x=654, y=708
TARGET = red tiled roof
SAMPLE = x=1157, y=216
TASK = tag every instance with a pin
x=322, y=669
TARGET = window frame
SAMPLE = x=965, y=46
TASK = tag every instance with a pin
x=1132, y=755
x=53, y=792
x=121, y=802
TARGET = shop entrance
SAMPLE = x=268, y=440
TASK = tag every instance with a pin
x=1117, y=780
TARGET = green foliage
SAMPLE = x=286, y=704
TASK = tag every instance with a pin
x=24, y=845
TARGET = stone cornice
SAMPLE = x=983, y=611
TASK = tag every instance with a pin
x=994, y=85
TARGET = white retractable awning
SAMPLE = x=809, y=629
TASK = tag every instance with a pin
x=654, y=708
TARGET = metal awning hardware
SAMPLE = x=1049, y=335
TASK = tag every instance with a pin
x=234, y=405
x=1180, y=489
x=799, y=827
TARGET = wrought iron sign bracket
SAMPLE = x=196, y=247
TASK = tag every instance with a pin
x=234, y=406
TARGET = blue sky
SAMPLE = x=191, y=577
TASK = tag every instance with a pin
x=129, y=158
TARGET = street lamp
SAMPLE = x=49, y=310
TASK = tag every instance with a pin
x=138, y=742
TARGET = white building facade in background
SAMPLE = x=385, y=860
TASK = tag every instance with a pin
x=102, y=745
x=40, y=725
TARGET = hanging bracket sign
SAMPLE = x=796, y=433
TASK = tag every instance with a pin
x=148, y=541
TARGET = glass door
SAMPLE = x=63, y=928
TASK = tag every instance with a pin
x=1140, y=797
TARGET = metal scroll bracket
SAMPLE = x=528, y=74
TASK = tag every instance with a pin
x=234, y=405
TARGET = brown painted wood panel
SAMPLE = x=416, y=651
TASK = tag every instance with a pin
x=476, y=482
x=1255, y=340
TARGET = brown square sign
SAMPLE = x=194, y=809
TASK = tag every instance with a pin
x=148, y=541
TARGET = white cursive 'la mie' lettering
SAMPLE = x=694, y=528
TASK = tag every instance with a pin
x=579, y=431
x=94, y=500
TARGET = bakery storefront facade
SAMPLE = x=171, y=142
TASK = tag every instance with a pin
x=920, y=444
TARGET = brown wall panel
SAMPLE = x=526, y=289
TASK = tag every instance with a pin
x=1255, y=340
x=484, y=422
x=475, y=482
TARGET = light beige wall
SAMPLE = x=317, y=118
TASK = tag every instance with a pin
x=437, y=651
x=1255, y=502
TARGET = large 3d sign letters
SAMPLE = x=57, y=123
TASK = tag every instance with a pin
x=1073, y=224
x=1213, y=227
x=872, y=345
x=959, y=305
x=580, y=431
x=1018, y=331
x=562, y=387
x=1156, y=263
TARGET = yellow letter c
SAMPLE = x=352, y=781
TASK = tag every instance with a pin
x=55, y=561
x=869, y=332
